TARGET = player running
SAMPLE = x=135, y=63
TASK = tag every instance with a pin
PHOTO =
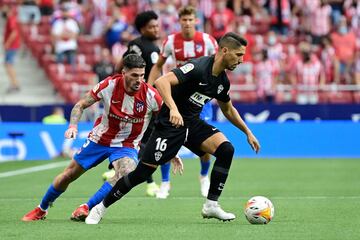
x=129, y=104
x=183, y=46
x=185, y=91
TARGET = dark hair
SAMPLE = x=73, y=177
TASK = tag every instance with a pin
x=134, y=60
x=232, y=40
x=188, y=10
x=142, y=19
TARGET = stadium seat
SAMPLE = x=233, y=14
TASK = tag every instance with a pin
x=340, y=97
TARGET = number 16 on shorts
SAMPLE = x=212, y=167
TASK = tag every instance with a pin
x=161, y=146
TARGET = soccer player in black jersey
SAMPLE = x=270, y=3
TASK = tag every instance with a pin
x=145, y=45
x=184, y=91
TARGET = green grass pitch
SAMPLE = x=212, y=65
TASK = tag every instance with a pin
x=313, y=199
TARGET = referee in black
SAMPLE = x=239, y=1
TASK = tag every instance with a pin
x=185, y=91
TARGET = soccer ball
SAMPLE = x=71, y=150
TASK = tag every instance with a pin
x=259, y=210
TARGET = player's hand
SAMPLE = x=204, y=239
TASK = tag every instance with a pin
x=176, y=118
x=178, y=165
x=254, y=143
x=71, y=132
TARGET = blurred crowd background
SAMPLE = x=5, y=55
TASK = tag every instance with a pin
x=299, y=51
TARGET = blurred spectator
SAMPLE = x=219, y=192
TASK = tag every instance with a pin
x=11, y=46
x=280, y=15
x=266, y=73
x=104, y=67
x=307, y=76
x=320, y=21
x=330, y=61
x=56, y=117
x=344, y=42
x=200, y=16
x=115, y=28
x=336, y=10
x=98, y=12
x=46, y=7
x=73, y=9
x=64, y=33
x=29, y=12
x=274, y=47
x=357, y=68
x=221, y=20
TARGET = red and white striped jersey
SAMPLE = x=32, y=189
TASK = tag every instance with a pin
x=126, y=116
x=183, y=50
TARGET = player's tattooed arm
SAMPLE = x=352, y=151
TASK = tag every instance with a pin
x=79, y=107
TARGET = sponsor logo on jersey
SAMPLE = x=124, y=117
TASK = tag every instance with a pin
x=220, y=89
x=199, y=99
x=126, y=119
x=187, y=68
x=139, y=107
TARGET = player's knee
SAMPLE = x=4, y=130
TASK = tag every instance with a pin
x=225, y=152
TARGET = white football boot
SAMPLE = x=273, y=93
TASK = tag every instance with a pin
x=163, y=192
x=213, y=210
x=96, y=214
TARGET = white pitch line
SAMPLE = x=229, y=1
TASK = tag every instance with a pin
x=34, y=169
x=201, y=198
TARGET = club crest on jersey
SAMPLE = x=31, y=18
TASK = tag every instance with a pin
x=187, y=68
x=139, y=106
x=199, y=48
x=158, y=155
x=220, y=89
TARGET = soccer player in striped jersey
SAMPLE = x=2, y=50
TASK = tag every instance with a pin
x=129, y=104
x=183, y=46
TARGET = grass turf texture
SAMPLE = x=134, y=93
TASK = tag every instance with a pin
x=313, y=199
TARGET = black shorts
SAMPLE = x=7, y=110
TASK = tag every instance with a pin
x=165, y=141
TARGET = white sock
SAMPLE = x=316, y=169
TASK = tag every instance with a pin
x=210, y=202
x=42, y=209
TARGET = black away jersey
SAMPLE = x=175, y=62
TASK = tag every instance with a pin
x=196, y=87
x=147, y=49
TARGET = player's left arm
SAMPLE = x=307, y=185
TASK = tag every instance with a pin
x=77, y=112
x=234, y=117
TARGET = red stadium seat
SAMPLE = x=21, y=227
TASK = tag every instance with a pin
x=340, y=97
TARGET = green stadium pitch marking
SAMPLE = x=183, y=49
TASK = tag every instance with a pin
x=33, y=169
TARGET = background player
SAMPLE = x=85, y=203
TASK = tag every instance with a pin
x=128, y=106
x=185, y=90
x=184, y=46
x=145, y=45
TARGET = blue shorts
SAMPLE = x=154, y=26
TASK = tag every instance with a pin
x=207, y=112
x=10, y=56
x=91, y=154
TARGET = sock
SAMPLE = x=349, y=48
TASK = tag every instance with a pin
x=150, y=180
x=99, y=195
x=224, y=154
x=205, y=165
x=165, y=172
x=50, y=196
x=127, y=182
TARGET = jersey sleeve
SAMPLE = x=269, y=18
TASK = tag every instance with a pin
x=211, y=44
x=98, y=90
x=156, y=101
x=224, y=95
x=166, y=48
x=188, y=72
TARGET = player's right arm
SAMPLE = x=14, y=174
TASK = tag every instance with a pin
x=156, y=70
x=76, y=114
x=163, y=85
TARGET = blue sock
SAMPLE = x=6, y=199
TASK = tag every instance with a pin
x=204, y=168
x=50, y=196
x=99, y=195
x=165, y=172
